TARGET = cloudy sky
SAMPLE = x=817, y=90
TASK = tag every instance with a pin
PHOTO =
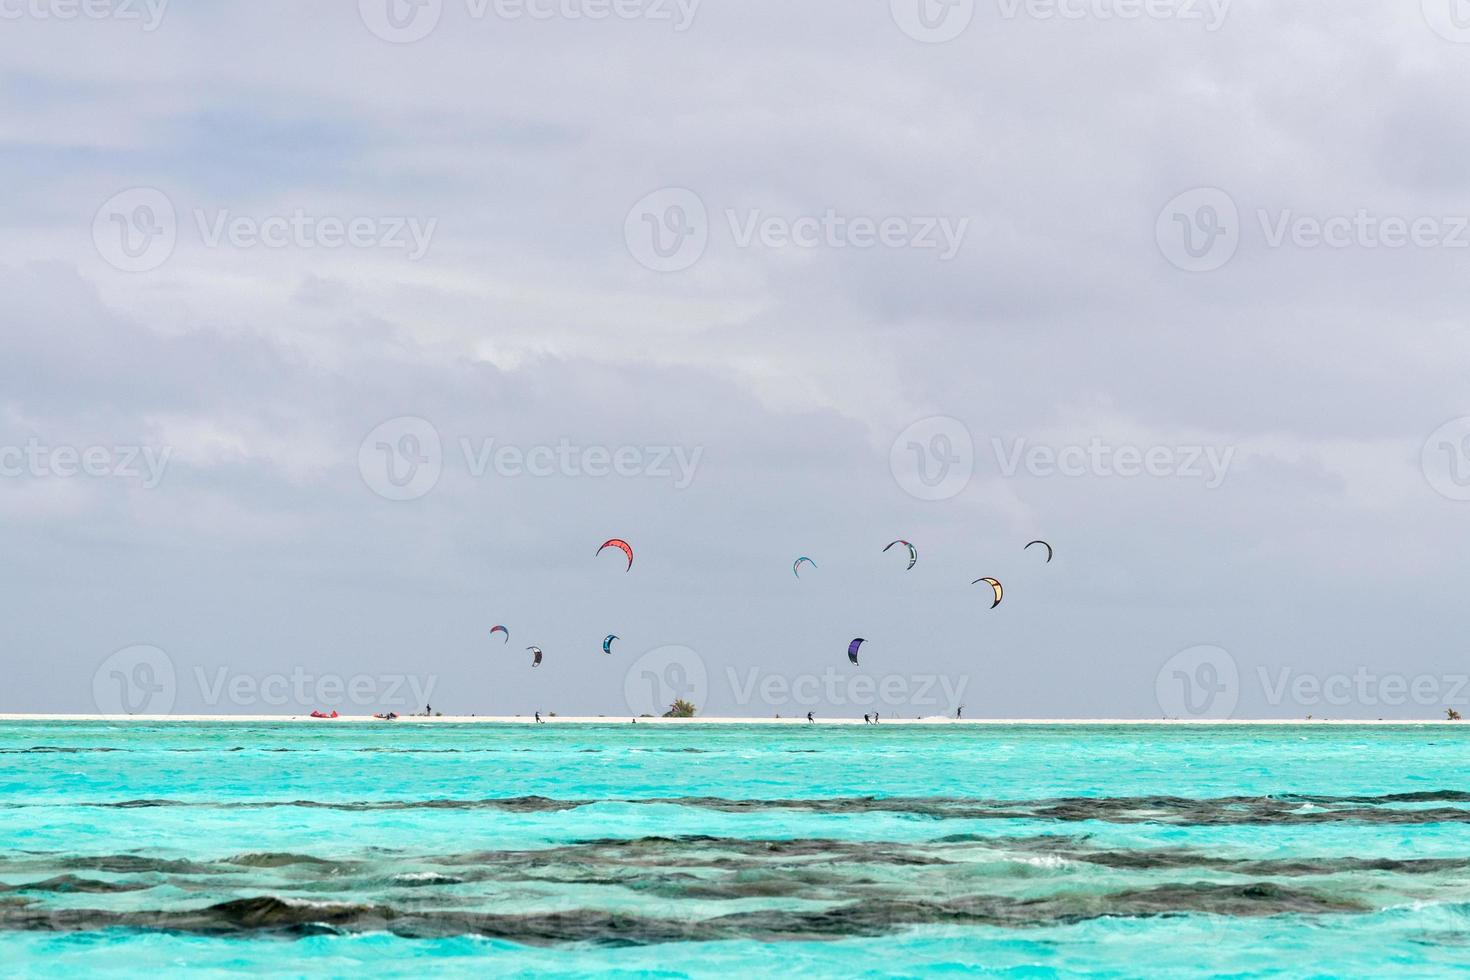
x=336, y=333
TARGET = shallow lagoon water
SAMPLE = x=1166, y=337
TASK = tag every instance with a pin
x=479, y=849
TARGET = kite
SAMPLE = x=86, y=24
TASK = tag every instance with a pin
x=796, y=565
x=852, y=649
x=913, y=552
x=619, y=543
x=607, y=642
x=501, y=629
x=994, y=585
x=535, y=656
x=1044, y=545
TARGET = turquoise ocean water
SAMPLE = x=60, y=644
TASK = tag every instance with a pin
x=338, y=849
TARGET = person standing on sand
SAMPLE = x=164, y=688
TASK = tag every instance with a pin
x=959, y=711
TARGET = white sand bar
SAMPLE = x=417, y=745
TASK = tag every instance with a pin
x=795, y=720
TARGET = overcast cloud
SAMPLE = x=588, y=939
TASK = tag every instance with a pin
x=1176, y=285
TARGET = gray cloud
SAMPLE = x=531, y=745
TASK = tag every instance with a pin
x=1059, y=322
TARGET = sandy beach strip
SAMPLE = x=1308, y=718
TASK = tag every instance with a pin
x=794, y=720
